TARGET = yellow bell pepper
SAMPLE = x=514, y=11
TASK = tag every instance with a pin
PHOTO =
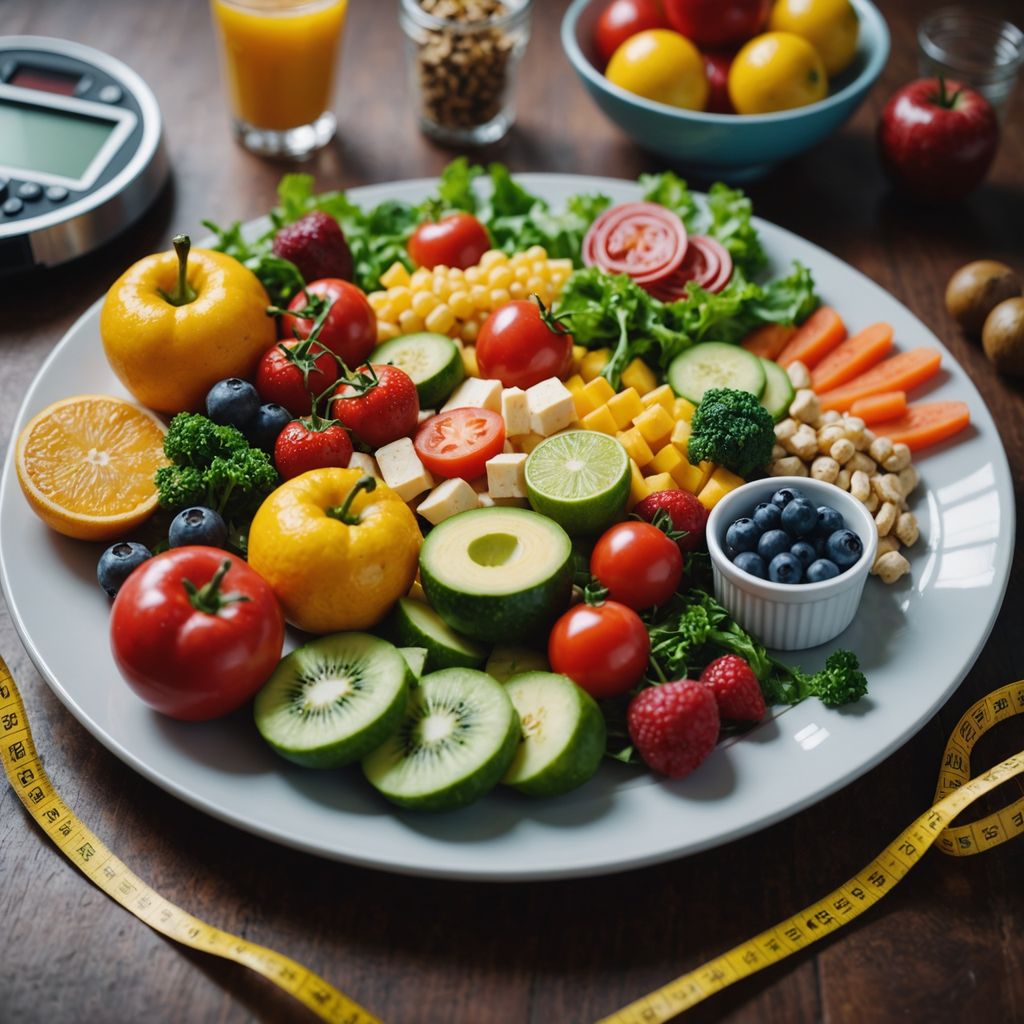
x=175, y=323
x=338, y=549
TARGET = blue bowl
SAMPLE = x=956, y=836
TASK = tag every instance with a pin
x=726, y=146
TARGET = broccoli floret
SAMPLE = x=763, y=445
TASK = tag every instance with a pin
x=839, y=682
x=194, y=440
x=732, y=428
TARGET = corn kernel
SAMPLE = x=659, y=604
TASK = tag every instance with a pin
x=481, y=296
x=469, y=363
x=521, y=274
x=518, y=259
x=400, y=299
x=441, y=319
x=421, y=278
x=498, y=297
x=636, y=446
x=461, y=304
x=682, y=409
x=662, y=396
x=469, y=330
x=638, y=489
x=517, y=290
x=538, y=252
x=562, y=266
x=594, y=362
x=536, y=285
x=656, y=426
x=395, y=276
x=441, y=286
x=539, y=268
x=492, y=258
x=661, y=482
x=600, y=419
x=500, y=277
x=720, y=483
x=578, y=352
x=456, y=275
x=640, y=376
x=423, y=303
x=386, y=331
x=376, y=300
x=624, y=406
x=410, y=322
x=387, y=312
x=681, y=435
x=474, y=275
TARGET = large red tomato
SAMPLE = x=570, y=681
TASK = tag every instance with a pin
x=350, y=328
x=458, y=240
x=196, y=632
x=520, y=345
x=717, y=23
x=622, y=19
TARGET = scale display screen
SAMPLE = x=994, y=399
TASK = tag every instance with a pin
x=45, y=141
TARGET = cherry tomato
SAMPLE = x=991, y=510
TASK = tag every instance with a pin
x=384, y=412
x=459, y=442
x=303, y=445
x=638, y=564
x=603, y=648
x=196, y=652
x=645, y=240
x=520, y=345
x=717, y=67
x=622, y=19
x=717, y=23
x=458, y=240
x=350, y=330
x=280, y=378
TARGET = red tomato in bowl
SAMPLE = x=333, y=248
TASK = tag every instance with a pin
x=458, y=240
x=382, y=413
x=350, y=330
x=717, y=23
x=459, y=442
x=717, y=67
x=622, y=19
x=196, y=656
x=520, y=345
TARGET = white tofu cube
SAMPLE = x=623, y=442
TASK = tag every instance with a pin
x=475, y=393
x=402, y=470
x=506, y=476
x=515, y=411
x=551, y=407
x=448, y=499
x=489, y=501
x=425, y=414
x=364, y=462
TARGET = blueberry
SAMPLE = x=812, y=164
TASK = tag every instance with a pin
x=117, y=563
x=767, y=515
x=232, y=402
x=784, y=495
x=197, y=526
x=844, y=547
x=785, y=568
x=822, y=569
x=799, y=518
x=743, y=535
x=803, y=552
x=268, y=422
x=829, y=520
x=751, y=562
x=773, y=543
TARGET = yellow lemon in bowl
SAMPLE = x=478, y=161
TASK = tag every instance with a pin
x=830, y=26
x=776, y=71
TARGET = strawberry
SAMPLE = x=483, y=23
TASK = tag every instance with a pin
x=674, y=726
x=686, y=512
x=736, y=689
x=316, y=245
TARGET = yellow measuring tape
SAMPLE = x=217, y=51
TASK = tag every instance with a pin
x=955, y=792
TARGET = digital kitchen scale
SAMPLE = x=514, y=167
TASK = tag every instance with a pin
x=81, y=150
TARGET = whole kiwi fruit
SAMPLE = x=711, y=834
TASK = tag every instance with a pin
x=976, y=289
x=1002, y=337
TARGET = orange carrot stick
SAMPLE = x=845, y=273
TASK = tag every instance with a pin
x=821, y=332
x=899, y=373
x=887, y=405
x=925, y=423
x=855, y=355
x=768, y=340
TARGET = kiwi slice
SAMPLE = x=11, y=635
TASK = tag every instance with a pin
x=333, y=700
x=458, y=737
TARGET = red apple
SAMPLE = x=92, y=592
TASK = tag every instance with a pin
x=717, y=67
x=937, y=138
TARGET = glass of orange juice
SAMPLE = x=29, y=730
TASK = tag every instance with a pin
x=279, y=61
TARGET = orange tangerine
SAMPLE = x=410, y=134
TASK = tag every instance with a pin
x=86, y=465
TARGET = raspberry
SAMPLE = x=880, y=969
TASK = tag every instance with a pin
x=686, y=512
x=674, y=726
x=316, y=245
x=735, y=688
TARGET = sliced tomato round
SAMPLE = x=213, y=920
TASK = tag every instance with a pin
x=645, y=240
x=459, y=442
x=707, y=263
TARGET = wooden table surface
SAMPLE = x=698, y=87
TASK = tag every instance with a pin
x=946, y=945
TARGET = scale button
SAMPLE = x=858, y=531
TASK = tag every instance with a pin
x=30, y=191
x=110, y=94
x=56, y=193
x=12, y=207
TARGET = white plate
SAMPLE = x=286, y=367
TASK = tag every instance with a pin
x=916, y=641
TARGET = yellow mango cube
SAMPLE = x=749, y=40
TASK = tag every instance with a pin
x=663, y=396
x=656, y=426
x=638, y=489
x=600, y=419
x=640, y=376
x=681, y=435
x=661, y=482
x=666, y=461
x=598, y=391
x=395, y=275
x=720, y=483
x=689, y=478
x=594, y=362
x=706, y=469
x=624, y=406
x=578, y=352
x=469, y=363
x=683, y=409
x=636, y=446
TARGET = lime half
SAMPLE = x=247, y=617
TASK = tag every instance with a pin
x=580, y=479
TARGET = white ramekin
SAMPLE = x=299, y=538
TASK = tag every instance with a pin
x=788, y=616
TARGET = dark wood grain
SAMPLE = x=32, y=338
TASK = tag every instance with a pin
x=946, y=945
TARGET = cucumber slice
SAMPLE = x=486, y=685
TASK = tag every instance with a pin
x=498, y=574
x=415, y=624
x=333, y=700
x=433, y=361
x=454, y=743
x=415, y=658
x=714, y=364
x=506, y=662
x=778, y=392
x=563, y=734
